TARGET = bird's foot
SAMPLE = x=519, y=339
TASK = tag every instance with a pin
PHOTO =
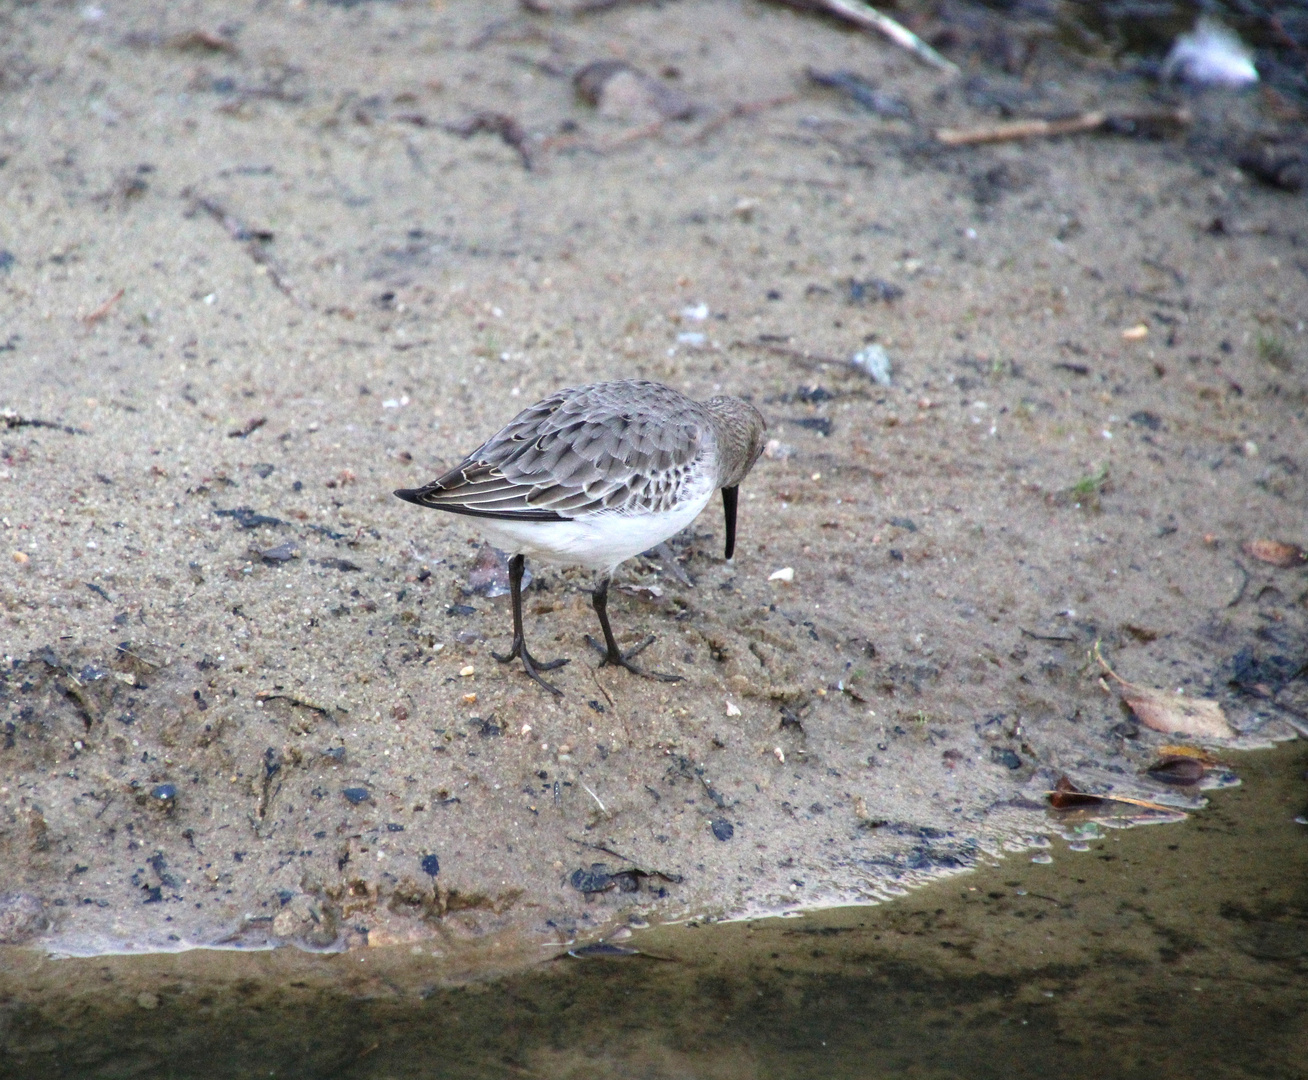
x=620, y=659
x=531, y=665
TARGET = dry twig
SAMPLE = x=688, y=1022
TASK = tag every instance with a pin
x=103, y=310
x=496, y=123
x=1011, y=130
x=252, y=239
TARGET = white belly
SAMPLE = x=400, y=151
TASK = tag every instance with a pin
x=596, y=541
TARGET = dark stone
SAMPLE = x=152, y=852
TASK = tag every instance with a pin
x=280, y=554
x=431, y=865
x=343, y=565
x=356, y=795
x=1001, y=755
x=246, y=518
x=723, y=829
x=873, y=289
x=595, y=880
x=820, y=424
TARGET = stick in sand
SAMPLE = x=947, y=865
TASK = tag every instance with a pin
x=1011, y=130
x=104, y=309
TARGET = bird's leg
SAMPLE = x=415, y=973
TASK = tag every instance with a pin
x=612, y=654
x=519, y=647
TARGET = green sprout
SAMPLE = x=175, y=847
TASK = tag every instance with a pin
x=1274, y=351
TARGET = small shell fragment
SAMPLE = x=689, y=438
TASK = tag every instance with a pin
x=780, y=754
x=733, y=709
x=1276, y=553
x=786, y=574
x=1135, y=333
x=874, y=362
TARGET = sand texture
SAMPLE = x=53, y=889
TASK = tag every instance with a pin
x=263, y=266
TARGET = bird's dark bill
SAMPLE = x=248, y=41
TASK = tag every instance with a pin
x=729, y=508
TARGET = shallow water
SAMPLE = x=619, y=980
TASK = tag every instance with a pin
x=1160, y=952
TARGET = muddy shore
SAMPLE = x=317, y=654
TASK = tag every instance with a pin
x=255, y=277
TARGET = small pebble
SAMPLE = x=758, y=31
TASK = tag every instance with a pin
x=874, y=362
x=733, y=709
x=1001, y=755
x=786, y=574
x=165, y=793
x=722, y=829
x=356, y=795
x=431, y=865
x=467, y=672
x=1042, y=858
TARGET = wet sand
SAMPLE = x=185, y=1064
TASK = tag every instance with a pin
x=1122, y=960
x=254, y=283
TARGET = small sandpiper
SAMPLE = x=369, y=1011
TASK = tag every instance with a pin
x=593, y=475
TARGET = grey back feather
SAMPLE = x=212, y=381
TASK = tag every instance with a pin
x=628, y=447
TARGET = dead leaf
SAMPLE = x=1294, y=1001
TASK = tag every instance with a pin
x=1067, y=796
x=489, y=575
x=1276, y=553
x=1141, y=633
x=1180, y=770
x=1176, y=714
x=1172, y=714
x=650, y=594
x=1197, y=752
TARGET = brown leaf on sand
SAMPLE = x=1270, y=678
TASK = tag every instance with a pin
x=1197, y=752
x=1172, y=714
x=1181, y=771
x=1067, y=796
x=1176, y=714
x=1285, y=556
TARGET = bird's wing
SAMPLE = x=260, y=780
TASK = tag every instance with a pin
x=578, y=452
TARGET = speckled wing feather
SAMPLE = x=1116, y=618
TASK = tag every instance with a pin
x=627, y=447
